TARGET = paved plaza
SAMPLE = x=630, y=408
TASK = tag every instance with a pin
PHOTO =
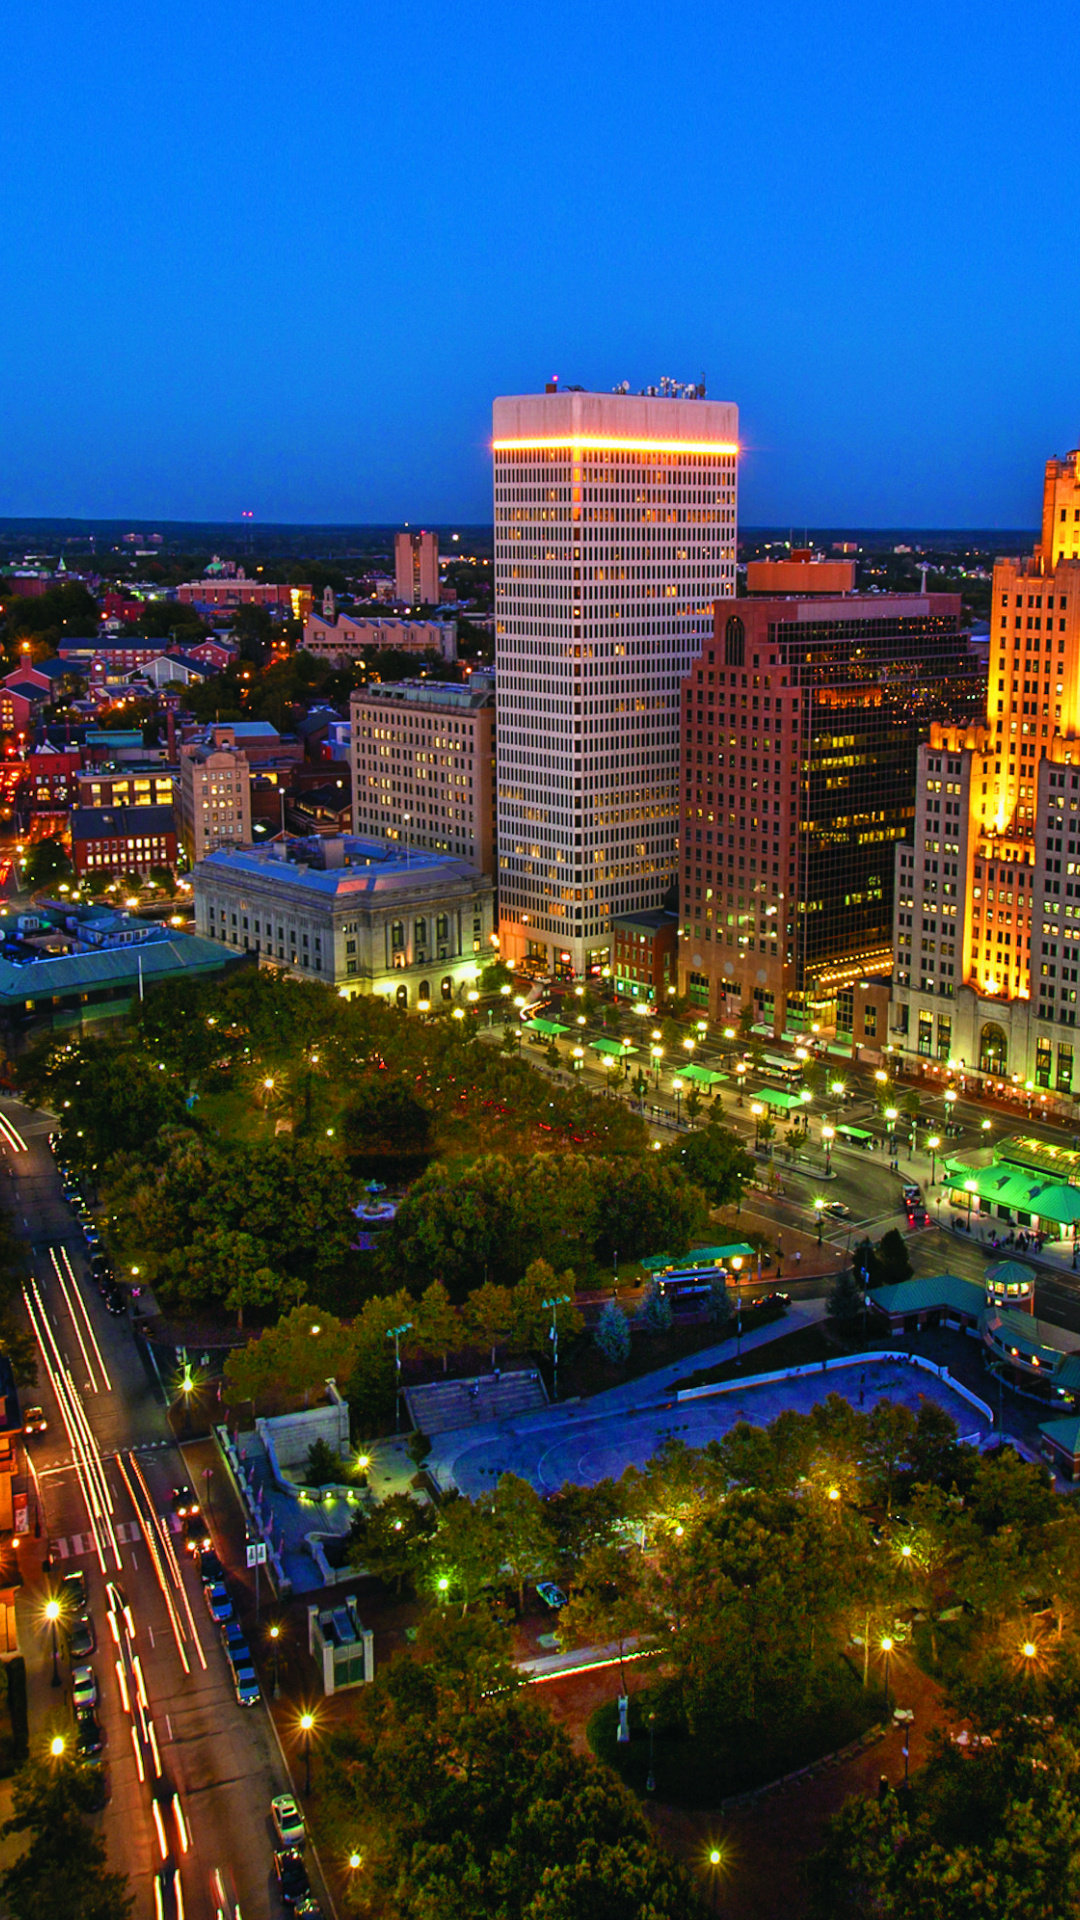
x=570, y=1444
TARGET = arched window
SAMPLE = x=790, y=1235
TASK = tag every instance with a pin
x=403, y=996
x=735, y=643
x=425, y=989
x=448, y=988
x=993, y=1050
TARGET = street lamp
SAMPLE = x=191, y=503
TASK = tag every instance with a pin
x=676, y=1088
x=740, y=1078
x=828, y=1135
x=57, y=1745
x=394, y=1334
x=886, y=1648
x=933, y=1143
x=52, y=1615
x=716, y=1861
x=950, y=1109
x=275, y=1655
x=650, y=1784
x=757, y=1110
x=578, y=1055
x=307, y=1724
x=736, y=1268
x=558, y=1300
x=836, y=1088
x=819, y=1209
x=657, y=1055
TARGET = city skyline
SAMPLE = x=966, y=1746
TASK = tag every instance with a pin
x=265, y=312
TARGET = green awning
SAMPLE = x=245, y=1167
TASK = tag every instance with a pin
x=861, y=1134
x=551, y=1029
x=773, y=1098
x=739, y=1249
x=616, y=1048
x=705, y=1076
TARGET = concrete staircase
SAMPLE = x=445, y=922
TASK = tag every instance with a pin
x=444, y=1405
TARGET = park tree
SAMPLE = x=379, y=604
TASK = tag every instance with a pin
x=489, y=1315
x=846, y=1298
x=612, y=1334
x=466, y=1552
x=63, y=1869
x=581, y=1518
x=713, y=1158
x=298, y=1355
x=655, y=1313
x=325, y=1468
x=526, y=1538
x=391, y=1539
x=608, y=1605
x=437, y=1324
x=644, y=1204
x=385, y=1117
x=46, y=862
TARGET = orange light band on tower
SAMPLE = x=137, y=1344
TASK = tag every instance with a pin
x=603, y=444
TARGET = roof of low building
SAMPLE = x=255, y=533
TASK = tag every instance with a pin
x=117, y=823
x=928, y=1294
x=49, y=975
x=1064, y=1433
x=367, y=867
x=649, y=920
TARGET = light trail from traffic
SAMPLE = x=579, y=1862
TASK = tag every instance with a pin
x=67, y=1400
x=149, y=1534
x=87, y=1362
x=86, y=1317
x=91, y=1452
x=170, y=1554
x=11, y=1136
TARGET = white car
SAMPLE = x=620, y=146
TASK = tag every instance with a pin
x=288, y=1820
x=84, y=1691
x=550, y=1594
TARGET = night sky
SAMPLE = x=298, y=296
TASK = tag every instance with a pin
x=281, y=257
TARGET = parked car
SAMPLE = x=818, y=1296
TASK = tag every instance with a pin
x=88, y=1735
x=84, y=1689
x=838, y=1210
x=34, y=1420
x=114, y=1300
x=217, y=1600
x=550, y=1594
x=248, y=1691
x=74, y=1594
x=183, y=1501
x=196, y=1537
x=288, y=1820
x=232, y=1635
x=83, y=1639
x=774, y=1299
x=293, y=1883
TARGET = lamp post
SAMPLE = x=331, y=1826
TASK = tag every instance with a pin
x=736, y=1268
x=716, y=1861
x=950, y=1109
x=886, y=1648
x=307, y=1724
x=275, y=1655
x=578, y=1057
x=740, y=1078
x=657, y=1054
x=557, y=1301
x=933, y=1143
x=52, y=1615
x=836, y=1088
x=394, y=1334
x=828, y=1135
x=676, y=1088
x=650, y=1784
x=819, y=1209
x=757, y=1110
x=892, y=1114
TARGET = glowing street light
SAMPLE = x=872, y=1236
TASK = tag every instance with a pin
x=828, y=1135
x=819, y=1209
x=52, y=1615
x=933, y=1143
x=886, y=1648
x=307, y=1727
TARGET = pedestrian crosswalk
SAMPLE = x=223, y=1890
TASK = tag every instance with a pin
x=74, y=1545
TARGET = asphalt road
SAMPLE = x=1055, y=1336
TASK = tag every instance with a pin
x=174, y=1733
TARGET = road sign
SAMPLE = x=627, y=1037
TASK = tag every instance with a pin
x=256, y=1553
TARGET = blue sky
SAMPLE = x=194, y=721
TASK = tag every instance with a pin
x=281, y=257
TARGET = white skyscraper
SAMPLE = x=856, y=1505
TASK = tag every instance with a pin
x=615, y=531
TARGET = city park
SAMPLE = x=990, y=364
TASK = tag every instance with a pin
x=768, y=1591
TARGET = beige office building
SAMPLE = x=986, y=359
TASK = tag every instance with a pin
x=615, y=531
x=416, y=568
x=215, y=798
x=423, y=767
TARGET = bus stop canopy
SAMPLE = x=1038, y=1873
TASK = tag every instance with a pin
x=697, y=1257
x=860, y=1135
x=550, y=1028
x=616, y=1048
x=774, y=1098
x=705, y=1076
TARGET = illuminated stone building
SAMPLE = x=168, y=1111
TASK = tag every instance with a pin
x=615, y=528
x=801, y=726
x=987, y=935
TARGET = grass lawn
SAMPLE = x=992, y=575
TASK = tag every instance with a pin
x=701, y=1770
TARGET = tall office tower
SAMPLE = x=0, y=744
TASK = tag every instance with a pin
x=987, y=934
x=416, y=568
x=615, y=531
x=801, y=727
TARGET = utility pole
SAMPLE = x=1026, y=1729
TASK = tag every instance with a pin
x=394, y=1334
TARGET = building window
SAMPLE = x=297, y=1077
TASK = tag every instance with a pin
x=926, y=1033
x=944, y=1037
x=397, y=934
x=1042, y=1063
x=869, y=1022
x=735, y=643
x=1064, y=1069
x=699, y=989
x=994, y=1052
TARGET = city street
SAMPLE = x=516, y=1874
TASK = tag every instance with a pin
x=190, y=1772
